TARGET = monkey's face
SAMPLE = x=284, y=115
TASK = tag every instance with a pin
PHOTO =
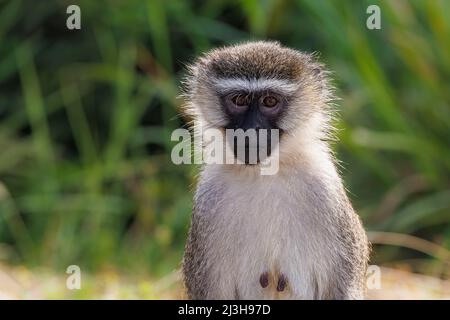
x=252, y=111
x=255, y=86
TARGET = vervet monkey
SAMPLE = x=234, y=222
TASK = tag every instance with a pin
x=291, y=235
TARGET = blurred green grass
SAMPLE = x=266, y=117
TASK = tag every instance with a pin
x=86, y=117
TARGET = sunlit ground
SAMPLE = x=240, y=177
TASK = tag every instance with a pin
x=21, y=283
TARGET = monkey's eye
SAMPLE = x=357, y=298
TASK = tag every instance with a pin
x=240, y=100
x=236, y=103
x=269, y=101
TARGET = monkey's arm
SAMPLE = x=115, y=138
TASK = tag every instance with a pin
x=197, y=266
x=194, y=264
x=350, y=279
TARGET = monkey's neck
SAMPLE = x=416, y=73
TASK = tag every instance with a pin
x=313, y=158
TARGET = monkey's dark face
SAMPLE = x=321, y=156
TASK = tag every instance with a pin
x=253, y=111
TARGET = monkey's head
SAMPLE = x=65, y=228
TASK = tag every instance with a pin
x=260, y=85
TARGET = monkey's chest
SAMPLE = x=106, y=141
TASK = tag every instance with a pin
x=267, y=248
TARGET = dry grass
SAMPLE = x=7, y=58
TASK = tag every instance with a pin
x=21, y=283
x=403, y=285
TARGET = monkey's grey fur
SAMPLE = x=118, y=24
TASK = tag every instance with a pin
x=293, y=235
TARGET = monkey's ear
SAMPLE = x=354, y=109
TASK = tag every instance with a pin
x=316, y=71
x=320, y=76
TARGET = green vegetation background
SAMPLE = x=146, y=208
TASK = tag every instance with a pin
x=86, y=117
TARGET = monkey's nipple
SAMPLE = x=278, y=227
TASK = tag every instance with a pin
x=264, y=279
x=281, y=283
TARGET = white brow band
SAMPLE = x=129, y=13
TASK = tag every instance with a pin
x=279, y=85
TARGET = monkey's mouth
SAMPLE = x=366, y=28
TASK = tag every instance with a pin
x=252, y=151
